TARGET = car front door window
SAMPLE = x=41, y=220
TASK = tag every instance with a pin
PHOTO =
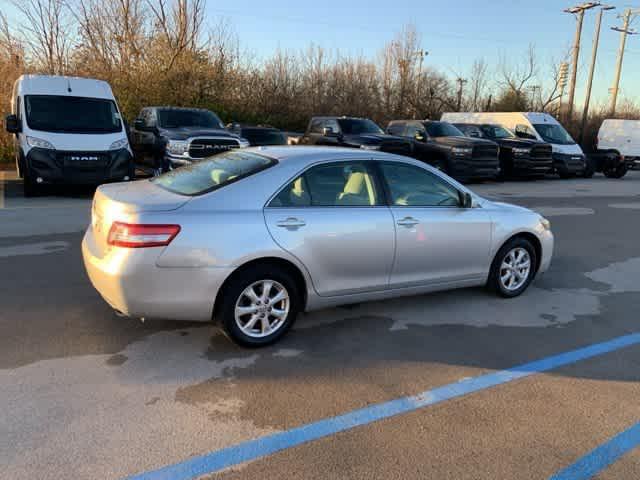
x=411, y=186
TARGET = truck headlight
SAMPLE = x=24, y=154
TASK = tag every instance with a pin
x=244, y=143
x=521, y=152
x=177, y=147
x=118, y=144
x=39, y=143
x=546, y=224
x=370, y=147
x=461, y=151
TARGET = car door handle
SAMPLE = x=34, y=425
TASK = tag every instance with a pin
x=291, y=222
x=408, y=222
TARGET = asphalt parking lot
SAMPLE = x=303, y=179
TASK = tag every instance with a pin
x=85, y=394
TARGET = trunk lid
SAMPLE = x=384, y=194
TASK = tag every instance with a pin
x=121, y=202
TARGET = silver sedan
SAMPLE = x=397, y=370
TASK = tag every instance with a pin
x=249, y=238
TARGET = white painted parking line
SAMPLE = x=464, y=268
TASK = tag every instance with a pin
x=41, y=248
x=627, y=206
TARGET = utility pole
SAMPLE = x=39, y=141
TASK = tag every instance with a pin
x=563, y=72
x=461, y=81
x=535, y=93
x=421, y=54
x=579, y=12
x=624, y=31
x=594, y=56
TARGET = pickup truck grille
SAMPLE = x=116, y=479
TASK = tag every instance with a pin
x=485, y=152
x=541, y=153
x=206, y=147
x=398, y=147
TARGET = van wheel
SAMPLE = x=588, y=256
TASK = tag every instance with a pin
x=29, y=186
x=589, y=168
x=259, y=306
x=513, y=268
x=564, y=174
x=618, y=172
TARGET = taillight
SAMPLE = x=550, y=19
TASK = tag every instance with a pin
x=141, y=236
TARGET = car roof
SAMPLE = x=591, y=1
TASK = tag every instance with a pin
x=307, y=154
x=168, y=107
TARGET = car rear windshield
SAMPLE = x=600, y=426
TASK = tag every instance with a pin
x=169, y=118
x=213, y=173
x=358, y=126
x=442, y=129
x=553, y=134
x=66, y=114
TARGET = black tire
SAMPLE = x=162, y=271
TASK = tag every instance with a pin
x=494, y=283
x=618, y=172
x=589, y=168
x=565, y=175
x=29, y=186
x=232, y=293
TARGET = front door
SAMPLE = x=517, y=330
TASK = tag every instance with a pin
x=437, y=241
x=333, y=219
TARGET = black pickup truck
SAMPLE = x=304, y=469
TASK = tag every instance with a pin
x=355, y=133
x=164, y=138
x=446, y=148
x=519, y=157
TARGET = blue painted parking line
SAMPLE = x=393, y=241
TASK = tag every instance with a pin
x=603, y=456
x=270, y=444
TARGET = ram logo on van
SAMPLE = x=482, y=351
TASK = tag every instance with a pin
x=83, y=158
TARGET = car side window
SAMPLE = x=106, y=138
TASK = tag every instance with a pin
x=316, y=126
x=413, y=130
x=332, y=124
x=412, y=186
x=340, y=184
x=396, y=129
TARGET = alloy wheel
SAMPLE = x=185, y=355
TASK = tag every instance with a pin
x=262, y=308
x=515, y=269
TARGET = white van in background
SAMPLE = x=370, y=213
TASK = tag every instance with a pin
x=568, y=158
x=623, y=137
x=67, y=130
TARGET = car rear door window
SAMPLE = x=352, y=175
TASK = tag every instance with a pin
x=412, y=186
x=341, y=184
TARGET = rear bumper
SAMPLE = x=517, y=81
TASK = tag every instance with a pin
x=51, y=166
x=130, y=281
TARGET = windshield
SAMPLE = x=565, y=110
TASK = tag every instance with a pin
x=554, y=134
x=52, y=113
x=188, y=118
x=264, y=137
x=358, y=126
x=496, y=131
x=211, y=174
x=442, y=129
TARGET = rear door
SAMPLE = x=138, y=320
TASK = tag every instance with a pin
x=437, y=241
x=334, y=220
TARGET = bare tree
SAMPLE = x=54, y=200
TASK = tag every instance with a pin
x=47, y=32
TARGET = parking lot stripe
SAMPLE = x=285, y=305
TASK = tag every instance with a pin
x=270, y=444
x=603, y=456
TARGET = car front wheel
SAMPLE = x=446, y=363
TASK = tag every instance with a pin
x=513, y=268
x=259, y=306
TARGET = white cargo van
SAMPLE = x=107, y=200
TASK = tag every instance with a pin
x=568, y=158
x=67, y=130
x=623, y=137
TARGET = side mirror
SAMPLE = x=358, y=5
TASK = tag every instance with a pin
x=139, y=124
x=12, y=124
x=466, y=200
x=328, y=131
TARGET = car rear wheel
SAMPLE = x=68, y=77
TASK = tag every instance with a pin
x=259, y=306
x=513, y=268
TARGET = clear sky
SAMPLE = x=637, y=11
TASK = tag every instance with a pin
x=454, y=32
